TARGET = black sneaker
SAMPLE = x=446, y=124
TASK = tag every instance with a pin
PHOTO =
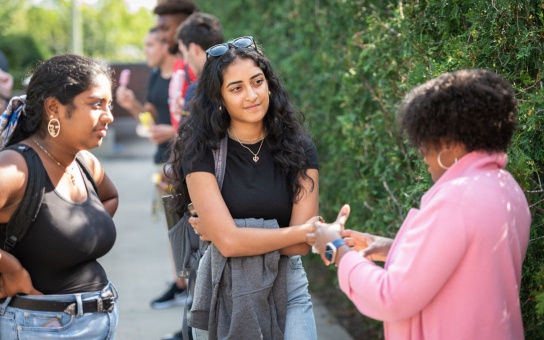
x=174, y=296
x=173, y=336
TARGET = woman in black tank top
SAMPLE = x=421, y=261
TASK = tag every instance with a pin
x=51, y=275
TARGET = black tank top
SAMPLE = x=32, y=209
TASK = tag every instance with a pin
x=61, y=247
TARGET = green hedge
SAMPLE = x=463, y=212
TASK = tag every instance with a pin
x=23, y=53
x=349, y=63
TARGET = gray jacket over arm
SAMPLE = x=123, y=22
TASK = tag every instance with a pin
x=241, y=297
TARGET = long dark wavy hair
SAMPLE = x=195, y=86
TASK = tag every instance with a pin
x=62, y=77
x=207, y=125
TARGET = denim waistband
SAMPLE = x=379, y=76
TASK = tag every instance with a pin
x=109, y=292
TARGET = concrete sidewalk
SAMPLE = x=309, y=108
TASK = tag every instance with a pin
x=139, y=263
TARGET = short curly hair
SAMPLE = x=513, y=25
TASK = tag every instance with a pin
x=474, y=107
x=171, y=7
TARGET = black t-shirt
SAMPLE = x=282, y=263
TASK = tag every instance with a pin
x=255, y=189
x=157, y=94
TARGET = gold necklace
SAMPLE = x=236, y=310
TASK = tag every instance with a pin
x=246, y=141
x=58, y=163
x=255, y=155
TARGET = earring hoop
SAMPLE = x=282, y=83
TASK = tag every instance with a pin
x=53, y=127
x=440, y=164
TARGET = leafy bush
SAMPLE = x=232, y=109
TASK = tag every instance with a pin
x=31, y=31
x=348, y=63
x=23, y=53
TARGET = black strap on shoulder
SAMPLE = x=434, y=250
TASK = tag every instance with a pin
x=81, y=161
x=28, y=209
x=220, y=160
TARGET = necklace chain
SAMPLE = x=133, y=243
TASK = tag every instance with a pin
x=255, y=155
x=56, y=161
x=246, y=141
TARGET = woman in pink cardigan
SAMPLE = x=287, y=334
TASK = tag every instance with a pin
x=453, y=270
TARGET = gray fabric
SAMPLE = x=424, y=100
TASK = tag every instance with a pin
x=187, y=248
x=241, y=297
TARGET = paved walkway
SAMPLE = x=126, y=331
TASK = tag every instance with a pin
x=139, y=264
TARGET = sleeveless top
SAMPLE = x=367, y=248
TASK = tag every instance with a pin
x=60, y=248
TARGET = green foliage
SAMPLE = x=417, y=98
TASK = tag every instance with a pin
x=348, y=63
x=8, y=7
x=110, y=32
x=22, y=52
x=113, y=33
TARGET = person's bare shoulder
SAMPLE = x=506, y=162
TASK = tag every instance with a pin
x=93, y=164
x=13, y=179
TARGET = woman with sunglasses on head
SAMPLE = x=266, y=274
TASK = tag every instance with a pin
x=454, y=269
x=267, y=203
x=51, y=284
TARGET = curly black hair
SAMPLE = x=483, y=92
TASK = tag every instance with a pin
x=62, y=77
x=474, y=107
x=171, y=7
x=207, y=125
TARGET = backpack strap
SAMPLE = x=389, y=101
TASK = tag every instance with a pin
x=220, y=160
x=28, y=209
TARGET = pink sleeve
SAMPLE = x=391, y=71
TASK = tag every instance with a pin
x=426, y=251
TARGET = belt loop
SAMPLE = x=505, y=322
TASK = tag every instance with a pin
x=4, y=306
x=79, y=305
x=113, y=290
x=105, y=289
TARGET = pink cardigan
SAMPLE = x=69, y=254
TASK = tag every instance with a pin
x=454, y=269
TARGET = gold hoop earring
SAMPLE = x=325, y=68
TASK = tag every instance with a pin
x=53, y=127
x=440, y=164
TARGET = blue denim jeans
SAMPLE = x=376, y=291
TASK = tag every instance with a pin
x=300, y=323
x=22, y=324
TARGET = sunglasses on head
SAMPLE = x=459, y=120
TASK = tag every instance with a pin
x=220, y=49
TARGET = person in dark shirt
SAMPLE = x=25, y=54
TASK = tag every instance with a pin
x=271, y=171
x=162, y=63
x=170, y=15
x=51, y=284
x=196, y=34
